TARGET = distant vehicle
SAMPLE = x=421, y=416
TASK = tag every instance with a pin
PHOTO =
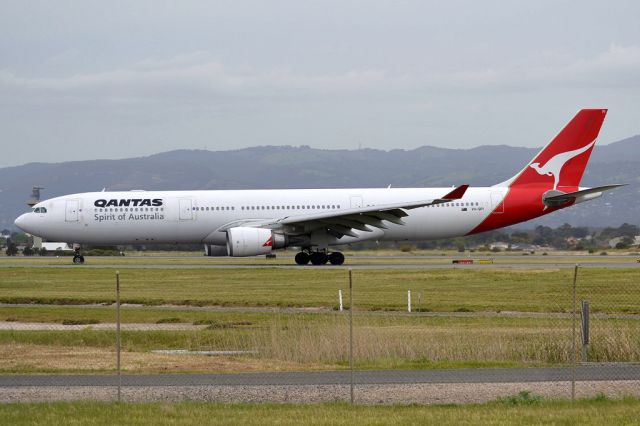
x=53, y=247
x=256, y=222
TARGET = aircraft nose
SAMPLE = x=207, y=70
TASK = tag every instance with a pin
x=22, y=222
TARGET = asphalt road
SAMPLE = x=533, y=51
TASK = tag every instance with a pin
x=380, y=377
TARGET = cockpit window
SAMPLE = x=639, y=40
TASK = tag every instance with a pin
x=40, y=210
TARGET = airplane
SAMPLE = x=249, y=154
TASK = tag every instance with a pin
x=257, y=222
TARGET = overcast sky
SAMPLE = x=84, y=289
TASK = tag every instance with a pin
x=111, y=79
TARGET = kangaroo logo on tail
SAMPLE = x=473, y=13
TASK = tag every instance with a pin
x=554, y=165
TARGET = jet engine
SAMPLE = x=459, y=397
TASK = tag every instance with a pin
x=247, y=241
x=215, y=250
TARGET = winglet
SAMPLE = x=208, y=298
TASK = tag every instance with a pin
x=456, y=194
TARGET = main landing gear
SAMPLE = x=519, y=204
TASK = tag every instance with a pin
x=78, y=258
x=319, y=258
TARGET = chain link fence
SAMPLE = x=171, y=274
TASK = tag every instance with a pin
x=455, y=336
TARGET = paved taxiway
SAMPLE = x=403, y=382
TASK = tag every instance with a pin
x=380, y=377
x=353, y=261
x=354, y=265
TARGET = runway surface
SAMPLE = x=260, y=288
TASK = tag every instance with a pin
x=529, y=265
x=379, y=377
x=352, y=261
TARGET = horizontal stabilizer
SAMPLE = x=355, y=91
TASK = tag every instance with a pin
x=557, y=198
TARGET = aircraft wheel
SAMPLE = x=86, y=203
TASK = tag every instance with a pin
x=319, y=258
x=78, y=259
x=302, y=258
x=336, y=258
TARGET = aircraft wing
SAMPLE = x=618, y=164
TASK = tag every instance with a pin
x=343, y=222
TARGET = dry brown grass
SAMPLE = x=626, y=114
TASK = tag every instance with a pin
x=291, y=342
x=388, y=343
x=25, y=358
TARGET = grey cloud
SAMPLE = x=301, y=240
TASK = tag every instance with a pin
x=199, y=72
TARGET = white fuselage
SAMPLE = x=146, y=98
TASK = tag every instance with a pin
x=197, y=216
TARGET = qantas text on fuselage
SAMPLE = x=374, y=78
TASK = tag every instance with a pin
x=254, y=222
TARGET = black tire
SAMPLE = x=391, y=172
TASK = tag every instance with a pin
x=336, y=258
x=81, y=259
x=319, y=258
x=78, y=259
x=302, y=258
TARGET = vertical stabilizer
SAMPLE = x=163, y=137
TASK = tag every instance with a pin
x=561, y=163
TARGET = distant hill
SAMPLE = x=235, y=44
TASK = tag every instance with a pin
x=304, y=167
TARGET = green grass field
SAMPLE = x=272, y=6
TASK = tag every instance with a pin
x=526, y=290
x=489, y=317
x=510, y=411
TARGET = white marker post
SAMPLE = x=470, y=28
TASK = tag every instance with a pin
x=409, y=300
x=340, y=300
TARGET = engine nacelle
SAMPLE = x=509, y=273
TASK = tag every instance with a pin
x=247, y=241
x=215, y=250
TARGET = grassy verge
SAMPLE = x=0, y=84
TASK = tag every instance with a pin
x=320, y=341
x=526, y=290
x=585, y=412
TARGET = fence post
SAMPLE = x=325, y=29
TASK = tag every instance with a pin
x=573, y=340
x=118, y=334
x=340, y=299
x=351, y=334
x=409, y=300
x=584, y=314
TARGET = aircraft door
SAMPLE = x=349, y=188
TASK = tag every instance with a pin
x=356, y=201
x=186, y=210
x=71, y=211
x=497, y=206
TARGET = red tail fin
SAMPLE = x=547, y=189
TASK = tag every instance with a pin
x=562, y=162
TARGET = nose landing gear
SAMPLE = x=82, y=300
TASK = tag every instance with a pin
x=78, y=258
